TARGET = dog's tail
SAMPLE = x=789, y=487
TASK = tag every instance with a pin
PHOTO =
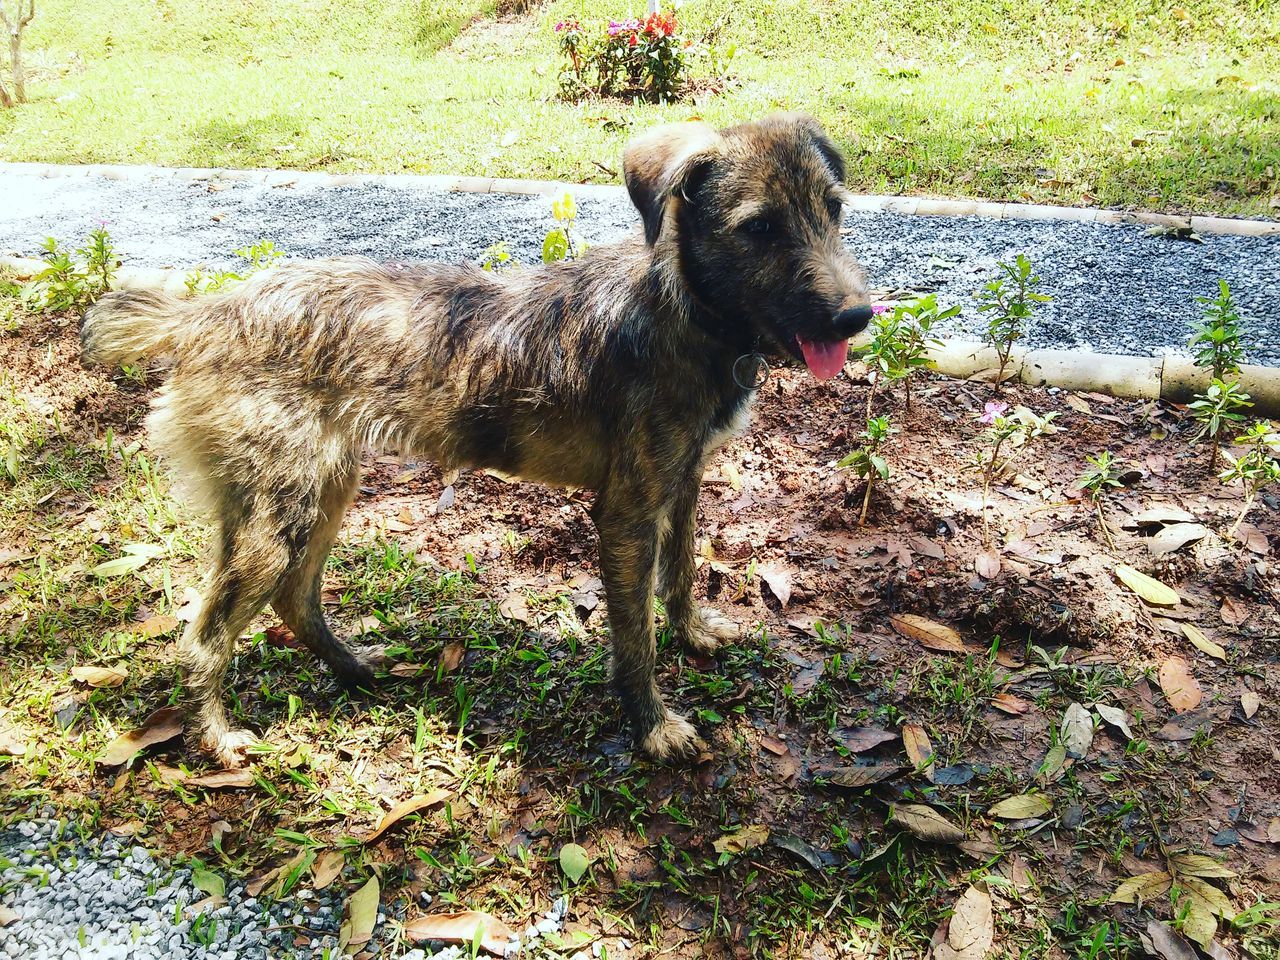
x=126, y=325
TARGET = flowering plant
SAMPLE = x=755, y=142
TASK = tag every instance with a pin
x=630, y=58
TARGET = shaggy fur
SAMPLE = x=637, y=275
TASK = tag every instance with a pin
x=611, y=373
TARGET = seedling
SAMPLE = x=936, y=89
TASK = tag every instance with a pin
x=867, y=460
x=497, y=258
x=560, y=243
x=259, y=255
x=72, y=280
x=1007, y=437
x=1217, y=341
x=1010, y=300
x=900, y=342
x=1216, y=410
x=1257, y=468
x=1100, y=476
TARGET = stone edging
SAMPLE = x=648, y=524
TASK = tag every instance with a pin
x=869, y=203
x=1170, y=378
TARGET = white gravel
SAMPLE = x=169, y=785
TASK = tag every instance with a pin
x=102, y=898
x=1115, y=289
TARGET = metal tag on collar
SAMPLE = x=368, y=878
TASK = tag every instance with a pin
x=750, y=371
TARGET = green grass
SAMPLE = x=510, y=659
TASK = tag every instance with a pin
x=1127, y=103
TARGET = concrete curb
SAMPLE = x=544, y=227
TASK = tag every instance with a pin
x=1172, y=378
x=870, y=203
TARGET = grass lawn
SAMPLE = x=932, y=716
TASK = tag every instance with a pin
x=1132, y=104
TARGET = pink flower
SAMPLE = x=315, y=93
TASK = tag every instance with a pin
x=993, y=410
x=879, y=308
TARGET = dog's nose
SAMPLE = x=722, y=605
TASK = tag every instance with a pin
x=852, y=321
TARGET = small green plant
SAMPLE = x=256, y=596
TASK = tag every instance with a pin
x=497, y=257
x=1010, y=300
x=560, y=242
x=900, y=342
x=867, y=461
x=72, y=280
x=1101, y=475
x=258, y=256
x=1007, y=437
x=1216, y=410
x=1257, y=468
x=1217, y=340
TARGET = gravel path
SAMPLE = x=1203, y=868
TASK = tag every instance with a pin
x=1116, y=289
x=64, y=896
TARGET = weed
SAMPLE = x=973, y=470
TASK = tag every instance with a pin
x=258, y=256
x=900, y=342
x=1257, y=468
x=72, y=280
x=1217, y=341
x=1216, y=410
x=1099, y=478
x=867, y=461
x=560, y=242
x=1010, y=308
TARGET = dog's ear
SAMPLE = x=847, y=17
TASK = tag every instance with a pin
x=809, y=129
x=668, y=161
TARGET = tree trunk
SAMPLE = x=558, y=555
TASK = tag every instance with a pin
x=15, y=61
x=5, y=99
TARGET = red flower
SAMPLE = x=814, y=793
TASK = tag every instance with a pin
x=631, y=41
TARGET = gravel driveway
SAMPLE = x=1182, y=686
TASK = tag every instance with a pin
x=1116, y=290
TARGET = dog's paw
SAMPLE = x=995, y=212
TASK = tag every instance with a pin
x=360, y=672
x=230, y=747
x=371, y=656
x=708, y=631
x=673, y=740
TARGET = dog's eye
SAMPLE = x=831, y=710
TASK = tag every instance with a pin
x=836, y=209
x=757, y=226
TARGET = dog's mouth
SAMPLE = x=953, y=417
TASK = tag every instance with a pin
x=824, y=358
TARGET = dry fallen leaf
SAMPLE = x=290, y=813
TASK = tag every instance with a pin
x=1142, y=888
x=855, y=777
x=748, y=838
x=461, y=928
x=1115, y=717
x=222, y=778
x=778, y=581
x=1167, y=944
x=1201, y=642
x=971, y=929
x=862, y=739
x=919, y=750
x=774, y=745
x=1010, y=704
x=7, y=916
x=925, y=822
x=451, y=656
x=928, y=633
x=515, y=607
x=361, y=916
x=1157, y=516
x=1180, y=688
x=1076, y=732
x=326, y=869
x=164, y=724
x=1249, y=703
x=1023, y=807
x=100, y=676
x=1234, y=612
x=12, y=741
x=156, y=626
x=987, y=564
x=1175, y=537
x=1148, y=588
x=403, y=809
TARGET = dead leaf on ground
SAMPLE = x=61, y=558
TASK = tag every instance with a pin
x=219, y=779
x=1054, y=764
x=971, y=928
x=862, y=739
x=778, y=581
x=1184, y=726
x=925, y=823
x=1008, y=703
x=1260, y=834
x=1203, y=643
x=1249, y=703
x=8, y=916
x=281, y=637
x=1180, y=687
x=1253, y=539
x=461, y=928
x=855, y=777
x=748, y=838
x=406, y=807
x=1142, y=888
x=326, y=869
x=1233, y=612
x=1175, y=537
x=1198, y=865
x=1024, y=807
x=1115, y=717
x=156, y=626
x=774, y=745
x=1168, y=945
x=100, y=676
x=164, y=724
x=451, y=656
x=1158, y=515
x=516, y=607
x=919, y=750
x=1148, y=588
x=1076, y=732
x=928, y=633
x=361, y=916
x=987, y=564
x=12, y=741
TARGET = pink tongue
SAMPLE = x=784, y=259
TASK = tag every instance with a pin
x=826, y=358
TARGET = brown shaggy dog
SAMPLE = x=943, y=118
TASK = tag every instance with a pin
x=615, y=373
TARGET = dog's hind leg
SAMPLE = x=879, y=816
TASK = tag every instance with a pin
x=627, y=521
x=253, y=553
x=297, y=600
x=697, y=629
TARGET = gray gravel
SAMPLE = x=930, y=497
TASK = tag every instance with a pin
x=1116, y=290
x=102, y=898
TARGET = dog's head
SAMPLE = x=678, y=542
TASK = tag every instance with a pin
x=751, y=215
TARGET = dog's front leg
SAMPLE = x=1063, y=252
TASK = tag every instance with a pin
x=698, y=629
x=627, y=522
